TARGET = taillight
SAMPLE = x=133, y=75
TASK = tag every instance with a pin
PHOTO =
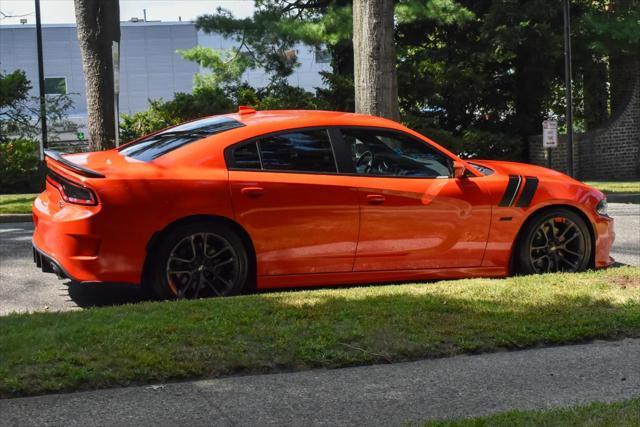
x=72, y=192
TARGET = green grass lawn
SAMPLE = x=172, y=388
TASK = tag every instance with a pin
x=16, y=203
x=157, y=341
x=616, y=186
x=620, y=414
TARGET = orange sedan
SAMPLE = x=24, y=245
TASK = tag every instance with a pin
x=271, y=199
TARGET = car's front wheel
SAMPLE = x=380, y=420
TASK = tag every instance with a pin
x=198, y=261
x=555, y=240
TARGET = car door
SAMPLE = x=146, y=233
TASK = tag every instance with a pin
x=301, y=215
x=413, y=213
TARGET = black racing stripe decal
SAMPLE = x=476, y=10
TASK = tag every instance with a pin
x=529, y=190
x=510, y=192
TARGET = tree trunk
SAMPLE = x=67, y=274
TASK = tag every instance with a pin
x=375, y=76
x=98, y=24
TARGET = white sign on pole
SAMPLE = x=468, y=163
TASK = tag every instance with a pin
x=550, y=134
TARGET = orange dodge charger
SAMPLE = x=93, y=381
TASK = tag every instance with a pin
x=270, y=199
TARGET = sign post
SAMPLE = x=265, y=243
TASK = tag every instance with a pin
x=549, y=137
x=115, y=55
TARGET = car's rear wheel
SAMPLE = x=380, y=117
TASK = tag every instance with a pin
x=199, y=261
x=555, y=240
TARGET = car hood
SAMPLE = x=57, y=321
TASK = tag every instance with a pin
x=525, y=169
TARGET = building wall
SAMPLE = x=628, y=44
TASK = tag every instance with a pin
x=150, y=66
x=610, y=152
x=61, y=56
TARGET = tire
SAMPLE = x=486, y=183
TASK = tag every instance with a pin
x=193, y=261
x=554, y=240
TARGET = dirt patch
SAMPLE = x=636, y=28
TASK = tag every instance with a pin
x=626, y=282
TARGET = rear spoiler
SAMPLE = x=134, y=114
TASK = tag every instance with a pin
x=80, y=170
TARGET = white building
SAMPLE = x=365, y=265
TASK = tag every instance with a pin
x=150, y=66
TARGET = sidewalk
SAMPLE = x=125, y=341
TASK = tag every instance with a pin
x=393, y=394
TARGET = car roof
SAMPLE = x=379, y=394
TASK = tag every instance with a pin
x=286, y=119
x=259, y=123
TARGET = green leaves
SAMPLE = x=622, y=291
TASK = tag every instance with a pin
x=226, y=67
x=446, y=12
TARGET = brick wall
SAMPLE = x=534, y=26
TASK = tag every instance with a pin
x=610, y=152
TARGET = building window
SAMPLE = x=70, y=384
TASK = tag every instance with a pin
x=323, y=56
x=55, y=85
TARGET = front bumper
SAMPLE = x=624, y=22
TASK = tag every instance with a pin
x=605, y=236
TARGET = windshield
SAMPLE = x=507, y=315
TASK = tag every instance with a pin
x=154, y=146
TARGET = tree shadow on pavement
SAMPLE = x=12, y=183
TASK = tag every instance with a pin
x=105, y=294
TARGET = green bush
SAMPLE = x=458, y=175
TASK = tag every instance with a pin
x=282, y=96
x=205, y=101
x=184, y=107
x=475, y=144
x=20, y=167
x=487, y=145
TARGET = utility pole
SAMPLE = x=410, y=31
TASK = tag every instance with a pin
x=43, y=104
x=567, y=82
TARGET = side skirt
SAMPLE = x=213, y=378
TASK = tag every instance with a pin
x=371, y=277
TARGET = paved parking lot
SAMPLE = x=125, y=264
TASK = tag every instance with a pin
x=24, y=288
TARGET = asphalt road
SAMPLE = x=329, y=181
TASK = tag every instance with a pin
x=385, y=395
x=24, y=288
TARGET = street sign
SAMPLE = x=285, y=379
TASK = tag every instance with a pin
x=550, y=134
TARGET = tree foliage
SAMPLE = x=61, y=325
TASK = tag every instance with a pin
x=20, y=112
x=469, y=68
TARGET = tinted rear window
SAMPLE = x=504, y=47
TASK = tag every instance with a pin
x=304, y=151
x=154, y=146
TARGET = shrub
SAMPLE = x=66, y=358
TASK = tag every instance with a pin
x=205, y=101
x=20, y=167
x=476, y=144
x=487, y=145
x=282, y=96
x=184, y=107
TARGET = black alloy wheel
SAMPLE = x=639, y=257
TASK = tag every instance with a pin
x=200, y=261
x=555, y=241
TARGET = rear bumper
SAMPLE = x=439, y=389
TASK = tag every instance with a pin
x=83, y=244
x=48, y=264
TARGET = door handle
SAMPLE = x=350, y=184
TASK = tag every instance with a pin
x=375, y=199
x=252, y=192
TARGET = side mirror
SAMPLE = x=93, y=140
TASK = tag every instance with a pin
x=458, y=169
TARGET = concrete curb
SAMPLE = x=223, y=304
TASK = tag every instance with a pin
x=623, y=197
x=5, y=218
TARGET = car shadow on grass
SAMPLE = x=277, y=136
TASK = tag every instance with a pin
x=87, y=295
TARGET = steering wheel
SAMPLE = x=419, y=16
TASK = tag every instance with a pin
x=366, y=160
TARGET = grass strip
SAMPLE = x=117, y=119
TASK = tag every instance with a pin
x=619, y=414
x=16, y=203
x=616, y=186
x=158, y=341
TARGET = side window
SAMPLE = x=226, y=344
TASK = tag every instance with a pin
x=304, y=151
x=394, y=154
x=245, y=156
